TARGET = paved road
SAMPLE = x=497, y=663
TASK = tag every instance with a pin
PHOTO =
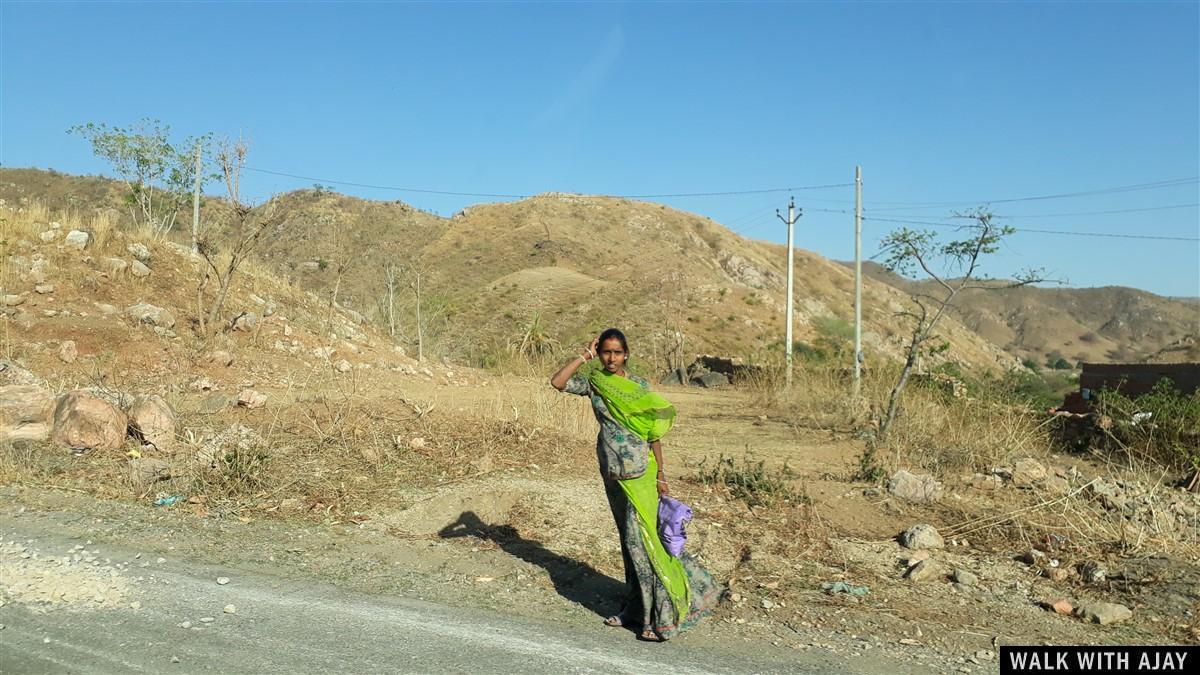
x=288, y=626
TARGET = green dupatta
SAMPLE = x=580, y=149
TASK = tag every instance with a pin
x=649, y=416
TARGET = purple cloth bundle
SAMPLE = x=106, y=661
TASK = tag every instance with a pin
x=672, y=514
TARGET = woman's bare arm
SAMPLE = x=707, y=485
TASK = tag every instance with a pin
x=661, y=478
x=559, y=379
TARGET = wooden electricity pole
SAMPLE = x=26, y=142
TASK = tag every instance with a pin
x=793, y=215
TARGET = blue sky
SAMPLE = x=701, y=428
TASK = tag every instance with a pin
x=945, y=106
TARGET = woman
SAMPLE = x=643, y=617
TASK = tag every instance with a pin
x=665, y=594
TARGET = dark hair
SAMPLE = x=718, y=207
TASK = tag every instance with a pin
x=610, y=333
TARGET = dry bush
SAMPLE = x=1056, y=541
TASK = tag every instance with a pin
x=934, y=431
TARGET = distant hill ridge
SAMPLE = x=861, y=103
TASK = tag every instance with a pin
x=578, y=263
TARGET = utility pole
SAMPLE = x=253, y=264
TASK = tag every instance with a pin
x=858, y=356
x=793, y=215
x=196, y=204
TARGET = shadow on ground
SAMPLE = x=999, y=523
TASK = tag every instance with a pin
x=574, y=580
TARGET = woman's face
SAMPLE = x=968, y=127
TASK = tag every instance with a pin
x=612, y=355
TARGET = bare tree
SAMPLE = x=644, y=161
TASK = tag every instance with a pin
x=907, y=250
x=391, y=272
x=247, y=229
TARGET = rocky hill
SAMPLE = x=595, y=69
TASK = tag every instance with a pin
x=1106, y=324
x=569, y=264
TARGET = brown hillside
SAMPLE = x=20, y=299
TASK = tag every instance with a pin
x=579, y=263
x=1097, y=325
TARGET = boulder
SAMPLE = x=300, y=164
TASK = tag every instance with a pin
x=711, y=380
x=151, y=315
x=114, y=267
x=251, y=399
x=1027, y=471
x=140, y=251
x=67, y=353
x=246, y=322
x=78, y=239
x=25, y=412
x=1103, y=613
x=922, y=536
x=144, y=312
x=926, y=570
x=143, y=471
x=151, y=420
x=965, y=577
x=913, y=488
x=139, y=270
x=83, y=421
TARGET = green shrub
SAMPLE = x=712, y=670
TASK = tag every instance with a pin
x=751, y=481
x=1171, y=432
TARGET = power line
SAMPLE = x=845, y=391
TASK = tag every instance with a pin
x=1174, y=182
x=1038, y=231
x=507, y=196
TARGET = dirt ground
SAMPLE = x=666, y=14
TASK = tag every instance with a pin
x=484, y=489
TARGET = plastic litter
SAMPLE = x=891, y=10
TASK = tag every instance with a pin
x=168, y=500
x=833, y=587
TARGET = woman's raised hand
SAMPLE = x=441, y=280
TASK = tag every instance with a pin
x=590, y=352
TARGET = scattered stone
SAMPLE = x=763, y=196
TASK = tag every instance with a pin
x=1092, y=572
x=114, y=267
x=1103, y=613
x=211, y=405
x=922, y=536
x=767, y=604
x=926, y=570
x=203, y=384
x=417, y=443
x=230, y=609
x=25, y=412
x=151, y=420
x=135, y=605
x=78, y=239
x=174, y=659
x=913, y=488
x=139, y=251
x=49, y=236
x=11, y=300
x=207, y=619
x=1061, y=606
x=144, y=312
x=1027, y=471
x=245, y=322
x=965, y=577
x=82, y=421
x=251, y=399
x=221, y=358
x=67, y=352
x=1032, y=557
x=1056, y=485
x=917, y=557
x=185, y=624
x=221, y=581
x=143, y=471
x=342, y=366
x=139, y=269
x=1057, y=574
x=44, y=289
x=105, y=308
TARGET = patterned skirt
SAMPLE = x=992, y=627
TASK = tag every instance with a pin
x=647, y=603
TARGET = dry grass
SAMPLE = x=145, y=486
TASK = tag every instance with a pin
x=934, y=431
